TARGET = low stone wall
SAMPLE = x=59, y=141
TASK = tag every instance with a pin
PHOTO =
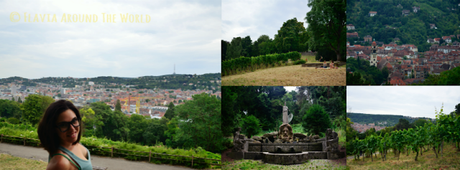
x=253, y=155
x=271, y=147
x=292, y=158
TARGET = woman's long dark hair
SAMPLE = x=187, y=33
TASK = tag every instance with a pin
x=47, y=128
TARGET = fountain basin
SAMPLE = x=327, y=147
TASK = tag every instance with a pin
x=285, y=147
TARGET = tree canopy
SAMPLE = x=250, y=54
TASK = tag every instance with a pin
x=326, y=24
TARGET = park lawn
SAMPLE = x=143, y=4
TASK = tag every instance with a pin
x=294, y=75
x=258, y=164
x=12, y=162
x=428, y=160
x=309, y=58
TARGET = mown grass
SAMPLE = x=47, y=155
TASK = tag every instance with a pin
x=294, y=75
x=309, y=58
x=12, y=162
x=428, y=160
x=257, y=164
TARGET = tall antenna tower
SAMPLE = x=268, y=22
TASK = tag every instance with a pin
x=174, y=69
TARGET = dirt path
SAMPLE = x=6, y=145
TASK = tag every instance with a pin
x=111, y=163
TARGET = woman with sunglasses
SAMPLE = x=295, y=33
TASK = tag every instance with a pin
x=59, y=133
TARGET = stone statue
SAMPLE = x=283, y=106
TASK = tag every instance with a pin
x=285, y=133
x=286, y=117
x=332, y=141
x=238, y=141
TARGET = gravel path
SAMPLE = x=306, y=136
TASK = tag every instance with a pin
x=105, y=162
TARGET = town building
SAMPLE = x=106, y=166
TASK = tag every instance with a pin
x=350, y=27
x=372, y=13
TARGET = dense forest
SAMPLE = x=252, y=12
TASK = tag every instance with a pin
x=391, y=120
x=390, y=23
x=264, y=105
x=204, y=81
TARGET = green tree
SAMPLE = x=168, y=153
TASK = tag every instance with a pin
x=234, y=49
x=34, y=107
x=201, y=123
x=251, y=126
x=118, y=106
x=155, y=131
x=246, y=45
x=419, y=122
x=316, y=120
x=19, y=100
x=89, y=119
x=170, y=112
x=229, y=110
x=170, y=133
x=13, y=120
x=10, y=108
x=224, y=46
x=110, y=124
x=326, y=22
x=137, y=125
x=457, y=109
x=288, y=37
x=403, y=124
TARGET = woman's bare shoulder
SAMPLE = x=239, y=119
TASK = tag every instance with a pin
x=82, y=149
x=59, y=162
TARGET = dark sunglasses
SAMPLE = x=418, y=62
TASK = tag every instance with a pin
x=65, y=126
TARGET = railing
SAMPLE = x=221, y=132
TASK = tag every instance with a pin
x=128, y=154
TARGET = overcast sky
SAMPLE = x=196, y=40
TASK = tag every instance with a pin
x=290, y=88
x=415, y=101
x=181, y=32
x=241, y=18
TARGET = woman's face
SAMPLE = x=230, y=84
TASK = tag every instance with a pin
x=68, y=127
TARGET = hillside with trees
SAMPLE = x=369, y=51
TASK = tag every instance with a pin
x=411, y=27
x=391, y=120
x=172, y=81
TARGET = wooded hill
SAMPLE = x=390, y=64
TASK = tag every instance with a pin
x=204, y=81
x=363, y=118
x=413, y=28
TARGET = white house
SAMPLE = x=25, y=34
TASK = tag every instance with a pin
x=372, y=13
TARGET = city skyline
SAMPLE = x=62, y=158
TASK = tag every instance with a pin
x=176, y=35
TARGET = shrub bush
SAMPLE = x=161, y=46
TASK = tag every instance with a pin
x=299, y=62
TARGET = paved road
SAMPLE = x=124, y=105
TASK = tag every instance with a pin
x=111, y=163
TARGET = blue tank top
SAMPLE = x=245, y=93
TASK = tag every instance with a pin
x=83, y=164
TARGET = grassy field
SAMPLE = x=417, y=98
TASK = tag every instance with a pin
x=257, y=164
x=294, y=75
x=12, y=162
x=428, y=160
x=309, y=58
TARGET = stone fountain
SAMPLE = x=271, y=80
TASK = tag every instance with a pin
x=285, y=147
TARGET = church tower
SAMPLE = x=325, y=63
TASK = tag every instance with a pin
x=373, y=59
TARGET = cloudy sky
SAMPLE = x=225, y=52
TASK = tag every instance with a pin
x=241, y=18
x=415, y=101
x=181, y=32
x=290, y=88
